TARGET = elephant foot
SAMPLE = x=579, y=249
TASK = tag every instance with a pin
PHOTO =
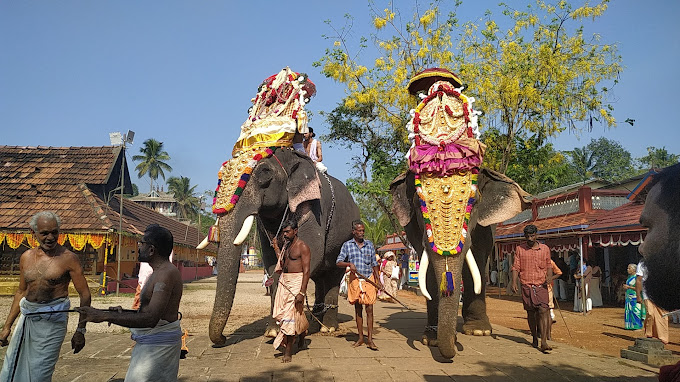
x=477, y=328
x=220, y=342
x=429, y=337
x=271, y=333
x=324, y=329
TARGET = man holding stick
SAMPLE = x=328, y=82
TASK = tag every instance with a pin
x=359, y=255
x=46, y=272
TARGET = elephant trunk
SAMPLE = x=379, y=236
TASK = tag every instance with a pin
x=228, y=260
x=448, y=305
x=471, y=262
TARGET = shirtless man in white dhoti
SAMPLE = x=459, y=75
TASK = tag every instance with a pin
x=156, y=325
x=45, y=273
x=294, y=263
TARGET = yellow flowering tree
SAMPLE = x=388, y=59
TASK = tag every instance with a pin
x=533, y=71
x=372, y=116
x=540, y=75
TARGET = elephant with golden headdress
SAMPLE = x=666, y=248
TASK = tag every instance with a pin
x=266, y=181
x=448, y=205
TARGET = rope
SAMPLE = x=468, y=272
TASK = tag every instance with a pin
x=306, y=305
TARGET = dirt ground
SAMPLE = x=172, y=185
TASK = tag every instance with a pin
x=601, y=330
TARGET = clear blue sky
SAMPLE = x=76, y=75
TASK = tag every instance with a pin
x=183, y=72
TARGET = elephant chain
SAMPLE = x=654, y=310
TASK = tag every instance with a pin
x=321, y=308
x=330, y=215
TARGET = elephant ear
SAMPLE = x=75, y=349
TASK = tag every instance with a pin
x=400, y=201
x=303, y=181
x=499, y=198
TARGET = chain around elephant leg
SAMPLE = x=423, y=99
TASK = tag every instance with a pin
x=429, y=337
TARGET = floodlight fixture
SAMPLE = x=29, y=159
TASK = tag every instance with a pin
x=130, y=136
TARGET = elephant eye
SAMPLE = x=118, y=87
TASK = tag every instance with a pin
x=263, y=176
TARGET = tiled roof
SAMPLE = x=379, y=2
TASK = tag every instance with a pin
x=554, y=225
x=136, y=217
x=624, y=218
x=54, y=178
x=64, y=180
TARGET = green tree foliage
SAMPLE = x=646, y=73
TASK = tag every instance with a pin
x=542, y=74
x=373, y=115
x=602, y=158
x=188, y=205
x=152, y=161
x=537, y=166
x=380, y=160
x=657, y=158
x=376, y=230
x=376, y=222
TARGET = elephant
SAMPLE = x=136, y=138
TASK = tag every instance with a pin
x=498, y=198
x=284, y=183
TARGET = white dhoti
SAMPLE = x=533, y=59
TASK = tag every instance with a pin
x=292, y=321
x=34, y=349
x=155, y=357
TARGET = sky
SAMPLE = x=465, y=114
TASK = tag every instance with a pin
x=183, y=72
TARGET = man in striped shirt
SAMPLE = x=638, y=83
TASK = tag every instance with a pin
x=532, y=264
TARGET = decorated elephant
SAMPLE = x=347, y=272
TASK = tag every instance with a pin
x=268, y=181
x=448, y=206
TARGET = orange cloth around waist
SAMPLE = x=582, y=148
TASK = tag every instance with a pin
x=361, y=291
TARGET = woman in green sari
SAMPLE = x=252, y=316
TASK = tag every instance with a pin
x=635, y=311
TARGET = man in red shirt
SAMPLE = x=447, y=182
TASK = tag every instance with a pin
x=532, y=263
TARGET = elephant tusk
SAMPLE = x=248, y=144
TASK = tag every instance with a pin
x=245, y=230
x=422, y=275
x=474, y=271
x=203, y=244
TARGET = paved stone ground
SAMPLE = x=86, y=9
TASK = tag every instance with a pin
x=505, y=356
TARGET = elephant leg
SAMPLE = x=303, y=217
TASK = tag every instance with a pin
x=272, y=327
x=475, y=320
x=429, y=337
x=330, y=298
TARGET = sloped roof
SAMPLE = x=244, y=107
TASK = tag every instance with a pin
x=554, y=225
x=155, y=196
x=54, y=178
x=62, y=179
x=136, y=217
x=621, y=219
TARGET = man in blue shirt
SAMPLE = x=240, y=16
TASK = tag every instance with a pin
x=358, y=254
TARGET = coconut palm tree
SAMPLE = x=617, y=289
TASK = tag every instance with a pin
x=152, y=160
x=188, y=204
